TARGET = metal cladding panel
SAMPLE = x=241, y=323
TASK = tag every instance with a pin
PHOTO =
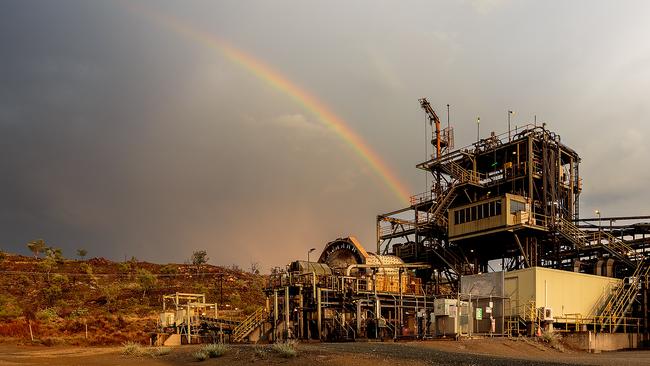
x=307, y=267
x=563, y=291
x=483, y=285
x=375, y=259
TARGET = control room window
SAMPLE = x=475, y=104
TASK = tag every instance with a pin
x=516, y=206
x=497, y=207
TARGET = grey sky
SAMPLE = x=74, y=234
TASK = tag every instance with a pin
x=125, y=138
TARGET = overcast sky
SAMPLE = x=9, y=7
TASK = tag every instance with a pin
x=124, y=137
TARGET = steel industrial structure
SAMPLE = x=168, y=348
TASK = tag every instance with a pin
x=495, y=210
x=512, y=201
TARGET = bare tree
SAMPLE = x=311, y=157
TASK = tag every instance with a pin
x=255, y=267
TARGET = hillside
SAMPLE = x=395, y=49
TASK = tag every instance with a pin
x=117, y=301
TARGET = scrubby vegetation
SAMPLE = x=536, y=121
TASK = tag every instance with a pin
x=215, y=349
x=64, y=300
x=133, y=349
x=160, y=351
x=286, y=349
x=200, y=355
x=553, y=339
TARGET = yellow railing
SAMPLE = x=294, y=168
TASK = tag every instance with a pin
x=583, y=238
x=249, y=324
x=622, y=297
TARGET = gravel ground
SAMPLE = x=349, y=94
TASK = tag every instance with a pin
x=429, y=356
x=468, y=352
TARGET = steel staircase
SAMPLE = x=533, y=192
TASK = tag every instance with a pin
x=617, y=247
x=514, y=326
x=572, y=233
x=609, y=242
x=438, y=212
x=621, y=299
x=248, y=325
x=461, y=174
x=345, y=331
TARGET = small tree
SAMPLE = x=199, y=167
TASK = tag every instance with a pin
x=37, y=247
x=199, y=258
x=255, y=267
x=47, y=265
x=82, y=253
x=146, y=280
x=54, y=253
x=3, y=256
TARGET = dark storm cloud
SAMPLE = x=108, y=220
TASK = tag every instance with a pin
x=123, y=137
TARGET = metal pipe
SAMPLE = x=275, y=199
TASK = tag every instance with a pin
x=377, y=266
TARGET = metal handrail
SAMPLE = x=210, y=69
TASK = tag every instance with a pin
x=248, y=324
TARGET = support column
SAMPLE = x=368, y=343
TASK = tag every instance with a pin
x=358, y=317
x=189, y=327
x=275, y=315
x=646, y=331
x=301, y=315
x=319, y=312
x=287, y=312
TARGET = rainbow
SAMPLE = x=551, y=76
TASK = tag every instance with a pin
x=280, y=82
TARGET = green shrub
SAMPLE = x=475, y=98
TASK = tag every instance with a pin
x=553, y=339
x=78, y=313
x=133, y=349
x=215, y=349
x=146, y=280
x=123, y=268
x=260, y=352
x=9, y=308
x=200, y=356
x=287, y=349
x=169, y=269
x=86, y=268
x=52, y=293
x=47, y=314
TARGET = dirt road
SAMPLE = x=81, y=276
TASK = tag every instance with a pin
x=469, y=352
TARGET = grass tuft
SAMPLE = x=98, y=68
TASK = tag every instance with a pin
x=553, y=339
x=200, y=356
x=215, y=349
x=260, y=352
x=133, y=349
x=287, y=349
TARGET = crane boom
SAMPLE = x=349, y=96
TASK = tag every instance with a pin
x=433, y=118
